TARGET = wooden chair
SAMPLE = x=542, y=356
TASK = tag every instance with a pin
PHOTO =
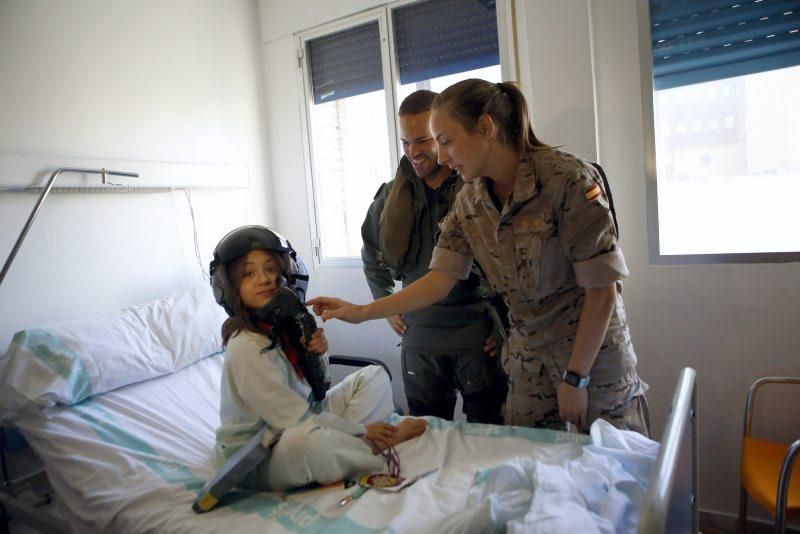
x=767, y=474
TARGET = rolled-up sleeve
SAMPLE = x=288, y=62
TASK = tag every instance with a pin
x=587, y=231
x=451, y=263
x=601, y=271
x=452, y=254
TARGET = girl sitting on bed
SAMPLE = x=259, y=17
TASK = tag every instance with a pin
x=264, y=384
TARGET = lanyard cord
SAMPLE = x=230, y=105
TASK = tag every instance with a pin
x=392, y=461
x=390, y=455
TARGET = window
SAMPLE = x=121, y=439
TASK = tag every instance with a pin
x=348, y=125
x=726, y=125
x=439, y=43
x=356, y=73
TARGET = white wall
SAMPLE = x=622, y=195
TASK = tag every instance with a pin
x=176, y=81
x=279, y=19
x=732, y=323
x=561, y=92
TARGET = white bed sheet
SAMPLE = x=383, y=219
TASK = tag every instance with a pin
x=132, y=460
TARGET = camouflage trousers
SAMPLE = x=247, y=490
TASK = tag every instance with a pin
x=615, y=391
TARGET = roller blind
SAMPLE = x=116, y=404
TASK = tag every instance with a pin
x=698, y=41
x=346, y=63
x=440, y=37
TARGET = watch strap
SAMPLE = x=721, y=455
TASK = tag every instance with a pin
x=576, y=380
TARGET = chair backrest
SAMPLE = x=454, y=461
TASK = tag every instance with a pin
x=782, y=490
x=671, y=501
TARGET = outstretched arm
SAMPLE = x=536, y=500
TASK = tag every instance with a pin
x=429, y=289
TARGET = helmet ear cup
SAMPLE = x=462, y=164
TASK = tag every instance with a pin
x=223, y=290
x=300, y=277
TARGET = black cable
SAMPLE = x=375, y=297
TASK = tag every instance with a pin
x=6, y=482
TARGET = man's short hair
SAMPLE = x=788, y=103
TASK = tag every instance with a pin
x=417, y=102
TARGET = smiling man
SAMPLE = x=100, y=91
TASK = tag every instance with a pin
x=449, y=346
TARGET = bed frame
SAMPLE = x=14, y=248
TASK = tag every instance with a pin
x=671, y=501
x=28, y=500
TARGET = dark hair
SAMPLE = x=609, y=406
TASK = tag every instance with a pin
x=468, y=100
x=417, y=102
x=242, y=318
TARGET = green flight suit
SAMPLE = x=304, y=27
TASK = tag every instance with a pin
x=442, y=349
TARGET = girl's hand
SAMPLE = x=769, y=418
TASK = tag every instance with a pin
x=319, y=343
x=333, y=308
x=383, y=434
x=573, y=404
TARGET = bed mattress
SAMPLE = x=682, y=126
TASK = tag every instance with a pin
x=133, y=460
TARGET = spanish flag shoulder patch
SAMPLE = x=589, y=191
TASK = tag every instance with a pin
x=592, y=193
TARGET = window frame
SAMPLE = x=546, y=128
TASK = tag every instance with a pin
x=391, y=78
x=651, y=177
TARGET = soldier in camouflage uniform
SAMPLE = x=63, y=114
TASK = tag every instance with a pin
x=538, y=221
x=540, y=251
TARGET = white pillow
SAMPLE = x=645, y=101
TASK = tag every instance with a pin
x=68, y=362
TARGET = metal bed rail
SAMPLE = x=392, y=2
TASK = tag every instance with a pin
x=105, y=173
x=671, y=501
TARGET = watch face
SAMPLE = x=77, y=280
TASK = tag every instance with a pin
x=572, y=379
x=575, y=380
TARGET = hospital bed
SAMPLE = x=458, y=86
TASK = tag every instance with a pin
x=122, y=409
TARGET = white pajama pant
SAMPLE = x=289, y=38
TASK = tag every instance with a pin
x=310, y=452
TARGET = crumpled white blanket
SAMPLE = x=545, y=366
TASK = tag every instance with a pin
x=600, y=491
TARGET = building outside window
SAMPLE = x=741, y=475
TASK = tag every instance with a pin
x=726, y=76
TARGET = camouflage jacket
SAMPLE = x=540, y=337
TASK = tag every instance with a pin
x=554, y=237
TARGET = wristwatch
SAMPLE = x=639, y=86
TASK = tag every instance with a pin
x=576, y=380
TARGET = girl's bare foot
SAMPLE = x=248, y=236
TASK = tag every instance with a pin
x=409, y=427
x=381, y=436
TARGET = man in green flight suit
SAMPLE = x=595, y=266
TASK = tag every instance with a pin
x=452, y=345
